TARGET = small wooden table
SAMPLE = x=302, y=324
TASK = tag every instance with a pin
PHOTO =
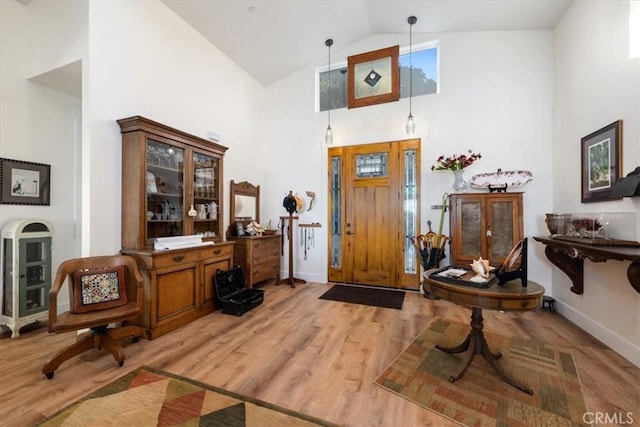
x=511, y=296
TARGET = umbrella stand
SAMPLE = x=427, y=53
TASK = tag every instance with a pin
x=431, y=246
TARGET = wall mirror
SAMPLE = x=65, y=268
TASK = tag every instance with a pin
x=245, y=205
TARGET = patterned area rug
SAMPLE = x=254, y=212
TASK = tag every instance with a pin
x=149, y=397
x=480, y=397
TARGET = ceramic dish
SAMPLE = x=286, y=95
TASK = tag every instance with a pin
x=500, y=179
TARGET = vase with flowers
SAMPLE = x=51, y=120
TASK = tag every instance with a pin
x=457, y=164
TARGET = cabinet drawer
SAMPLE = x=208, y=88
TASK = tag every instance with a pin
x=266, y=270
x=264, y=256
x=175, y=259
x=266, y=245
x=216, y=251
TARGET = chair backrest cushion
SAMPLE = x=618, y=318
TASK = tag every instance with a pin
x=98, y=289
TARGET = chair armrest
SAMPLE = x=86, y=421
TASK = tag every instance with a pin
x=58, y=281
x=135, y=282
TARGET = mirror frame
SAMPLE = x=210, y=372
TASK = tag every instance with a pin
x=243, y=188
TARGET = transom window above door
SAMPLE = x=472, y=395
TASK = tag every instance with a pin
x=331, y=86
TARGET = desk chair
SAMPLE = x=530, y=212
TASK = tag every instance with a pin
x=102, y=290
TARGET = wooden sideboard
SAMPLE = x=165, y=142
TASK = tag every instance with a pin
x=259, y=257
x=178, y=284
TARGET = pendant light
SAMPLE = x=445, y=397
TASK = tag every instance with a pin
x=411, y=124
x=328, y=135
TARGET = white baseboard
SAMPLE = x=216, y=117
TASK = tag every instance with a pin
x=315, y=278
x=619, y=344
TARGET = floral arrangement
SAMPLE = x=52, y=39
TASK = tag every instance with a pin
x=455, y=162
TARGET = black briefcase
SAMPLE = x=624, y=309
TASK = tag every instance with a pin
x=232, y=293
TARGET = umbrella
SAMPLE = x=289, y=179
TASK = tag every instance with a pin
x=430, y=246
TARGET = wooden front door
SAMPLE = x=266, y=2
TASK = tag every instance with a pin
x=370, y=217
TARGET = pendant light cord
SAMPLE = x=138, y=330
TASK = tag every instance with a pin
x=328, y=135
x=412, y=20
x=328, y=43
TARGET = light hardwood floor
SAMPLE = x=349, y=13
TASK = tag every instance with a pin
x=313, y=356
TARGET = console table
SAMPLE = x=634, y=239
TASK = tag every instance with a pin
x=569, y=255
x=511, y=296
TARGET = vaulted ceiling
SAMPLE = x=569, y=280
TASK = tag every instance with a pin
x=273, y=38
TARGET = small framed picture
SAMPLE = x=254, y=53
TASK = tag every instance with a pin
x=24, y=183
x=239, y=229
x=601, y=159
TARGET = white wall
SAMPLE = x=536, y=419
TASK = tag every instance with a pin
x=40, y=124
x=596, y=83
x=145, y=60
x=495, y=98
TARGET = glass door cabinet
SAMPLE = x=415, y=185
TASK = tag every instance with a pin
x=25, y=255
x=171, y=187
x=486, y=225
x=171, y=184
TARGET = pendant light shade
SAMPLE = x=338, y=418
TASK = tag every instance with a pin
x=328, y=135
x=410, y=126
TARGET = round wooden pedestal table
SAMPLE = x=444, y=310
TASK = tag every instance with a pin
x=511, y=296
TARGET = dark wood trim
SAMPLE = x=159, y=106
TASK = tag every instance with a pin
x=569, y=257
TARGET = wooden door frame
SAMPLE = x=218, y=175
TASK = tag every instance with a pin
x=337, y=274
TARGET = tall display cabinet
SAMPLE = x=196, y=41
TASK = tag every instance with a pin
x=25, y=256
x=172, y=186
x=486, y=225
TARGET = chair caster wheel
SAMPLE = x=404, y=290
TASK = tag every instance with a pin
x=49, y=375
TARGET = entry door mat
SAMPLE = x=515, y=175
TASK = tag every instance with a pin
x=480, y=397
x=150, y=397
x=366, y=296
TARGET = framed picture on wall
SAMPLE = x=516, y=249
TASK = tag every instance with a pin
x=24, y=183
x=373, y=77
x=601, y=159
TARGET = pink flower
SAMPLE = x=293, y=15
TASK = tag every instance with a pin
x=455, y=162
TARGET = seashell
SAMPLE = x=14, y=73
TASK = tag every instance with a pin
x=481, y=267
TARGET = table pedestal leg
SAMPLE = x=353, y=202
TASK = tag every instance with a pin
x=476, y=344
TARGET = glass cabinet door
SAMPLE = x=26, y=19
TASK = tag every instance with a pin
x=7, y=288
x=165, y=190
x=35, y=275
x=472, y=230
x=502, y=233
x=206, y=199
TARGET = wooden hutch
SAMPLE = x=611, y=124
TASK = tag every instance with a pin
x=171, y=183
